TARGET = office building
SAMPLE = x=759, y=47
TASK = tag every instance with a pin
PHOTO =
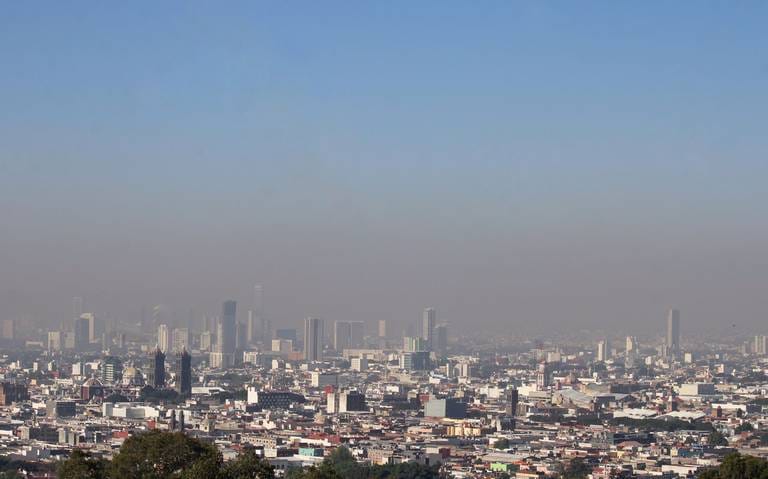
x=282, y=346
x=673, y=331
x=415, y=361
x=428, y=325
x=273, y=399
x=181, y=339
x=341, y=335
x=8, y=329
x=440, y=345
x=250, y=327
x=631, y=345
x=82, y=342
x=95, y=328
x=603, y=350
x=226, y=334
x=411, y=344
x=11, y=392
x=321, y=380
x=54, y=341
x=759, y=345
x=383, y=328
x=313, y=339
x=345, y=401
x=359, y=364
x=448, y=408
x=111, y=370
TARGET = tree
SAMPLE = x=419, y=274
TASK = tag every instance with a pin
x=576, y=469
x=248, y=466
x=160, y=455
x=502, y=443
x=716, y=438
x=736, y=466
x=746, y=427
x=80, y=465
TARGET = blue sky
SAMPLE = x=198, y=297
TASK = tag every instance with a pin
x=390, y=132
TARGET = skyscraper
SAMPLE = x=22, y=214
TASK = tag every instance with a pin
x=82, y=340
x=760, y=344
x=250, y=327
x=163, y=338
x=356, y=334
x=428, y=325
x=673, y=331
x=9, y=329
x=94, y=332
x=440, y=340
x=631, y=345
x=603, y=350
x=313, y=339
x=348, y=335
x=184, y=373
x=158, y=367
x=342, y=335
x=226, y=341
x=382, y=328
x=181, y=339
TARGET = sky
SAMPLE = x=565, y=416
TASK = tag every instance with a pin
x=517, y=165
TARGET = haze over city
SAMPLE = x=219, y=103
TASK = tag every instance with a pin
x=519, y=166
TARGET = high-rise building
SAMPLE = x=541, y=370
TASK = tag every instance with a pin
x=111, y=369
x=673, y=331
x=411, y=344
x=415, y=361
x=54, y=341
x=543, y=379
x=183, y=373
x=631, y=345
x=760, y=345
x=428, y=325
x=603, y=350
x=383, y=328
x=158, y=368
x=313, y=339
x=440, y=345
x=226, y=335
x=11, y=392
x=512, y=398
x=9, y=329
x=206, y=341
x=356, y=334
x=163, y=338
x=81, y=339
x=181, y=339
x=251, y=327
x=342, y=335
x=348, y=335
x=94, y=331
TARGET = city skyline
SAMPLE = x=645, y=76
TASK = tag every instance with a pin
x=434, y=239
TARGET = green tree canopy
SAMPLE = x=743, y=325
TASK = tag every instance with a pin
x=736, y=466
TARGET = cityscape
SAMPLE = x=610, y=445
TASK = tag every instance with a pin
x=383, y=240
x=467, y=406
